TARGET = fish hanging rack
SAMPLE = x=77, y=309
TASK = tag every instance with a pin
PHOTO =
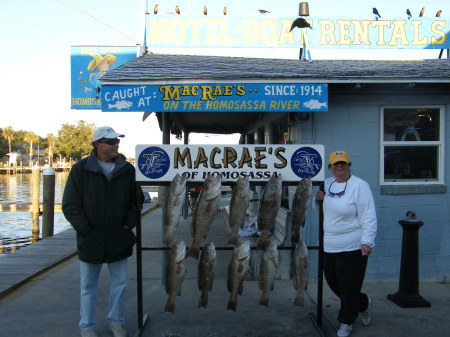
x=316, y=318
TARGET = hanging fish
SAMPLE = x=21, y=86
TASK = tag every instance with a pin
x=175, y=274
x=204, y=213
x=300, y=271
x=300, y=205
x=269, y=205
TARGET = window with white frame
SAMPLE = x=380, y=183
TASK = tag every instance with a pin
x=412, y=145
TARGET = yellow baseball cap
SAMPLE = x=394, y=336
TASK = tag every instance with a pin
x=337, y=156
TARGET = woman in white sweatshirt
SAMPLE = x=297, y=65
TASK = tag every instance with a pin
x=350, y=227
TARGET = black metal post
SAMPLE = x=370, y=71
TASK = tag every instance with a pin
x=142, y=319
x=408, y=293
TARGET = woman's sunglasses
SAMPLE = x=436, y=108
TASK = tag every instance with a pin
x=338, y=194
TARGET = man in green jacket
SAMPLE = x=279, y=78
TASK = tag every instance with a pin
x=101, y=201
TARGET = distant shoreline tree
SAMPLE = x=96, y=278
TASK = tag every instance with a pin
x=74, y=141
x=8, y=134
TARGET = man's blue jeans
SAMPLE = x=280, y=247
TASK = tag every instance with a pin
x=89, y=277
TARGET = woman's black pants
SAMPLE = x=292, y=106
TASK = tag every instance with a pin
x=344, y=273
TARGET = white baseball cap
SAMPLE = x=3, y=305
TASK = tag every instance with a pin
x=105, y=132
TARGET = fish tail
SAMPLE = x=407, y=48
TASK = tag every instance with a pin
x=232, y=303
x=261, y=244
x=264, y=300
x=233, y=239
x=193, y=251
x=168, y=238
x=203, y=302
x=170, y=304
x=299, y=300
x=295, y=237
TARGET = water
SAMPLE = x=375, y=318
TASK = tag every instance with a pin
x=15, y=227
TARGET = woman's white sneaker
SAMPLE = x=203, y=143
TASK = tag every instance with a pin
x=367, y=314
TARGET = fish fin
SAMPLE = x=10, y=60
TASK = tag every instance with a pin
x=299, y=299
x=241, y=288
x=229, y=281
x=203, y=302
x=170, y=304
x=264, y=300
x=232, y=304
x=193, y=251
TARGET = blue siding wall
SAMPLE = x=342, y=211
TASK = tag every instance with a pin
x=353, y=124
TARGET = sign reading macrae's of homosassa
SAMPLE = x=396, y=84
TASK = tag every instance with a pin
x=216, y=97
x=161, y=163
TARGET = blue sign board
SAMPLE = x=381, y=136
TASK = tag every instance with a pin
x=216, y=97
x=88, y=65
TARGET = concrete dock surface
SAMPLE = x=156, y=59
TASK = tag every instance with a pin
x=47, y=304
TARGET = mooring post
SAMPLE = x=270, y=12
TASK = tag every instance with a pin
x=408, y=293
x=49, y=203
x=35, y=176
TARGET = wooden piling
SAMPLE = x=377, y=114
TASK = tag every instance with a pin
x=48, y=214
x=35, y=176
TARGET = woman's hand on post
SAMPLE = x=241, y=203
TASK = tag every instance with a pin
x=320, y=195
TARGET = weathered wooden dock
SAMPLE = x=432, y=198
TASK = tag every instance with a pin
x=20, y=266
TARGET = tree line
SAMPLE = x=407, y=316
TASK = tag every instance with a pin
x=72, y=141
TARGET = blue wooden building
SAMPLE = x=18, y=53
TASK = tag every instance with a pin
x=391, y=116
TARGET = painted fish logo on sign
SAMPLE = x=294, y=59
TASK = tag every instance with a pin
x=306, y=162
x=153, y=162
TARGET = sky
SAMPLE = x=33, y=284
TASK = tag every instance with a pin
x=36, y=36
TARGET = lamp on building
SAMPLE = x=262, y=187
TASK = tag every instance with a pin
x=303, y=9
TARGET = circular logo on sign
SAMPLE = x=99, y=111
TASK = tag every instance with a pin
x=306, y=162
x=153, y=162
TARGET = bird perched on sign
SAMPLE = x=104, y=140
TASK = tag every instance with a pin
x=263, y=11
x=177, y=10
x=408, y=12
x=205, y=11
x=438, y=14
x=300, y=23
x=225, y=10
x=422, y=11
x=375, y=11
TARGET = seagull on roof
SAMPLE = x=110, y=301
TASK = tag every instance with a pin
x=300, y=23
x=408, y=12
x=225, y=10
x=263, y=11
x=177, y=10
x=438, y=14
x=375, y=11
x=205, y=11
x=422, y=11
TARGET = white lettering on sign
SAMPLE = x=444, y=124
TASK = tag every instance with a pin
x=125, y=93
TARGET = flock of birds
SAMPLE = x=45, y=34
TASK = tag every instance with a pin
x=301, y=22
x=408, y=12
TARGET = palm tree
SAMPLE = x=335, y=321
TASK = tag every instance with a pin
x=8, y=133
x=30, y=137
x=51, y=141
